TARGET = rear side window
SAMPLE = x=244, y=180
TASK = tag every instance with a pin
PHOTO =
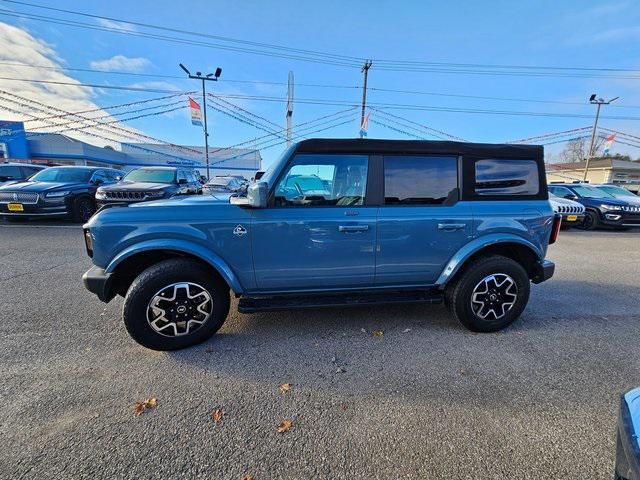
x=495, y=177
x=419, y=180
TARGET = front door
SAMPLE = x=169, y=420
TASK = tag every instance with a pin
x=317, y=232
x=422, y=224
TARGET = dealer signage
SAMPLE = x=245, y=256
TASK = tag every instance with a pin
x=13, y=140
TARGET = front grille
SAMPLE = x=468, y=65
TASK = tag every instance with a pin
x=631, y=209
x=569, y=209
x=124, y=195
x=19, y=197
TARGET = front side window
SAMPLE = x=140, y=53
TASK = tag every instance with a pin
x=10, y=171
x=419, y=180
x=506, y=177
x=323, y=180
x=561, y=192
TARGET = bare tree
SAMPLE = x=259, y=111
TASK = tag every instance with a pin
x=575, y=151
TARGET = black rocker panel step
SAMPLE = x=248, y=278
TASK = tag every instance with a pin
x=286, y=302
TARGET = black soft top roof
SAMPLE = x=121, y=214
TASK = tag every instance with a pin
x=375, y=146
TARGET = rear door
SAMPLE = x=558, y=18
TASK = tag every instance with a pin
x=422, y=222
x=318, y=231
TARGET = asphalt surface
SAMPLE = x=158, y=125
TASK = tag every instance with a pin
x=428, y=399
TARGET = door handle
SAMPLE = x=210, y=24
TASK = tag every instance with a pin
x=353, y=228
x=451, y=227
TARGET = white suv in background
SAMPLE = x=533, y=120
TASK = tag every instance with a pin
x=572, y=212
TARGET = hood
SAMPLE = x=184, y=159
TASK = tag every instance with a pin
x=186, y=201
x=563, y=201
x=40, y=187
x=136, y=186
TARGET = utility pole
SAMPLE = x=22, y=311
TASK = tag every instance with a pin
x=289, y=106
x=214, y=78
x=598, y=102
x=365, y=70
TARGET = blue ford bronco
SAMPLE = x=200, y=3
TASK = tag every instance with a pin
x=334, y=222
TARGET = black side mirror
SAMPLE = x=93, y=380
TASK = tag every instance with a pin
x=6, y=178
x=571, y=196
x=182, y=181
x=98, y=181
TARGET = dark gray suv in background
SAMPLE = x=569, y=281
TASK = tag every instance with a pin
x=150, y=183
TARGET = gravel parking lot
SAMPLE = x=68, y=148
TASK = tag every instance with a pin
x=427, y=399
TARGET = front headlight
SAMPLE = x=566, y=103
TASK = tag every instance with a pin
x=611, y=207
x=100, y=194
x=57, y=194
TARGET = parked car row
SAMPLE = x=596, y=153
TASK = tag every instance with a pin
x=602, y=205
x=76, y=192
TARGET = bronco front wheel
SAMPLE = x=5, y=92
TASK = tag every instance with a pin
x=175, y=304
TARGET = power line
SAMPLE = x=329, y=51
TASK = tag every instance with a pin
x=112, y=115
x=93, y=85
x=413, y=135
x=102, y=137
x=192, y=33
x=110, y=129
x=353, y=61
x=111, y=107
x=432, y=131
x=71, y=23
x=315, y=85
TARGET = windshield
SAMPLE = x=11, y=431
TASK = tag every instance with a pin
x=220, y=182
x=150, y=175
x=63, y=174
x=591, y=192
x=617, y=191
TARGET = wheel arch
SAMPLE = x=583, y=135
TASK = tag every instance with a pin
x=127, y=265
x=518, y=249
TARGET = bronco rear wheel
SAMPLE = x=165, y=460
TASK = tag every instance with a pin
x=175, y=304
x=490, y=294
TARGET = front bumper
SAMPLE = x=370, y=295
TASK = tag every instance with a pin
x=98, y=282
x=578, y=218
x=40, y=209
x=543, y=270
x=620, y=219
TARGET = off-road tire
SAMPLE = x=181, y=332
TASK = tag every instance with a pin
x=458, y=295
x=155, y=278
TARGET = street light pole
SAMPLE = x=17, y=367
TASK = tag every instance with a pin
x=214, y=78
x=365, y=70
x=598, y=102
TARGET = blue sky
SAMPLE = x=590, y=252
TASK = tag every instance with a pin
x=541, y=33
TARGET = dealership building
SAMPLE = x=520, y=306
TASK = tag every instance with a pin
x=56, y=149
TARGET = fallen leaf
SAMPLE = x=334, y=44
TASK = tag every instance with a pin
x=343, y=407
x=463, y=371
x=285, y=387
x=284, y=426
x=406, y=330
x=363, y=330
x=378, y=333
x=520, y=333
x=149, y=403
x=247, y=477
x=208, y=350
x=217, y=415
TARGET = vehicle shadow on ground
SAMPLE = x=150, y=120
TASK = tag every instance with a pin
x=327, y=347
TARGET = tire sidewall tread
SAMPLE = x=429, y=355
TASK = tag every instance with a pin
x=460, y=294
x=158, y=276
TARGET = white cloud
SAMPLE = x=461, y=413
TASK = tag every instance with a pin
x=103, y=22
x=19, y=46
x=120, y=62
